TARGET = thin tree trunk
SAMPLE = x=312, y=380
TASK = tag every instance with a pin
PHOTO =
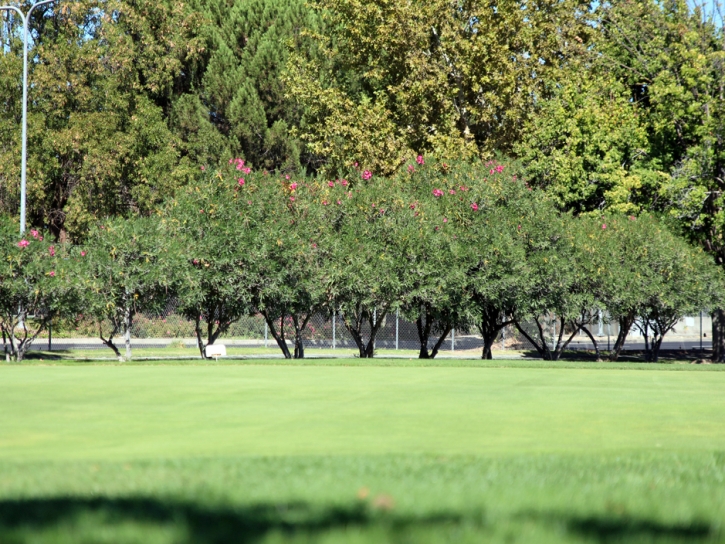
x=625, y=324
x=423, y=333
x=109, y=341
x=440, y=341
x=718, y=336
x=199, y=337
x=594, y=342
x=278, y=336
x=127, y=322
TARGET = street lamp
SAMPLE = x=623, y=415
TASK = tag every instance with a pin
x=25, y=18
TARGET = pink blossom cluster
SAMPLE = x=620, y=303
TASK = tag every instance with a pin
x=367, y=174
x=437, y=193
x=23, y=243
x=419, y=160
x=240, y=165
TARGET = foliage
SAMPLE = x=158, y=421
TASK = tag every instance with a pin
x=213, y=279
x=38, y=283
x=238, y=106
x=435, y=77
x=587, y=146
x=127, y=266
x=98, y=144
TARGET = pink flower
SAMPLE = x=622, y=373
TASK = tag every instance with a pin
x=83, y=253
x=515, y=178
x=325, y=202
x=34, y=234
x=314, y=246
x=292, y=199
x=51, y=250
x=23, y=243
x=203, y=168
x=231, y=161
x=412, y=206
x=491, y=171
x=52, y=273
x=293, y=186
x=437, y=193
x=249, y=202
x=196, y=261
x=367, y=174
x=355, y=164
x=411, y=168
x=241, y=181
x=632, y=218
x=286, y=177
x=330, y=183
x=499, y=168
x=474, y=207
x=519, y=227
x=419, y=159
x=604, y=226
x=445, y=220
x=246, y=170
x=343, y=183
x=382, y=212
x=451, y=192
x=339, y=202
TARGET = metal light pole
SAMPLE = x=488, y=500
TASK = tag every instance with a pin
x=25, y=18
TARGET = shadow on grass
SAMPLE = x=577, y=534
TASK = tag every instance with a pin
x=23, y=520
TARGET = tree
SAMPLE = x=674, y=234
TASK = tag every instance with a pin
x=219, y=262
x=436, y=298
x=369, y=254
x=670, y=57
x=102, y=73
x=127, y=266
x=38, y=284
x=241, y=92
x=451, y=79
x=296, y=271
x=588, y=147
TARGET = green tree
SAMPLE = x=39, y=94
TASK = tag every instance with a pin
x=452, y=79
x=214, y=279
x=238, y=107
x=126, y=267
x=39, y=283
x=102, y=75
x=588, y=147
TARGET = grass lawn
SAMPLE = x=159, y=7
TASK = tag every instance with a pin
x=517, y=451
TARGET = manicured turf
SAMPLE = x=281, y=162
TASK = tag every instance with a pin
x=272, y=453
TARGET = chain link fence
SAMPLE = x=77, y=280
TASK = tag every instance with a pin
x=171, y=329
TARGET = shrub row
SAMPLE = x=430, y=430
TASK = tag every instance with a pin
x=467, y=246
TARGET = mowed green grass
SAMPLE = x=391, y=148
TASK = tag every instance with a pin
x=273, y=453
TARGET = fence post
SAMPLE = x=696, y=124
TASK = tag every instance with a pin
x=453, y=339
x=396, y=328
x=50, y=334
x=334, y=319
x=701, y=330
x=265, y=333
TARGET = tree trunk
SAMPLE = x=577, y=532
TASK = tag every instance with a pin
x=625, y=324
x=594, y=342
x=199, y=337
x=299, y=341
x=423, y=333
x=109, y=341
x=718, y=336
x=278, y=336
x=127, y=322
